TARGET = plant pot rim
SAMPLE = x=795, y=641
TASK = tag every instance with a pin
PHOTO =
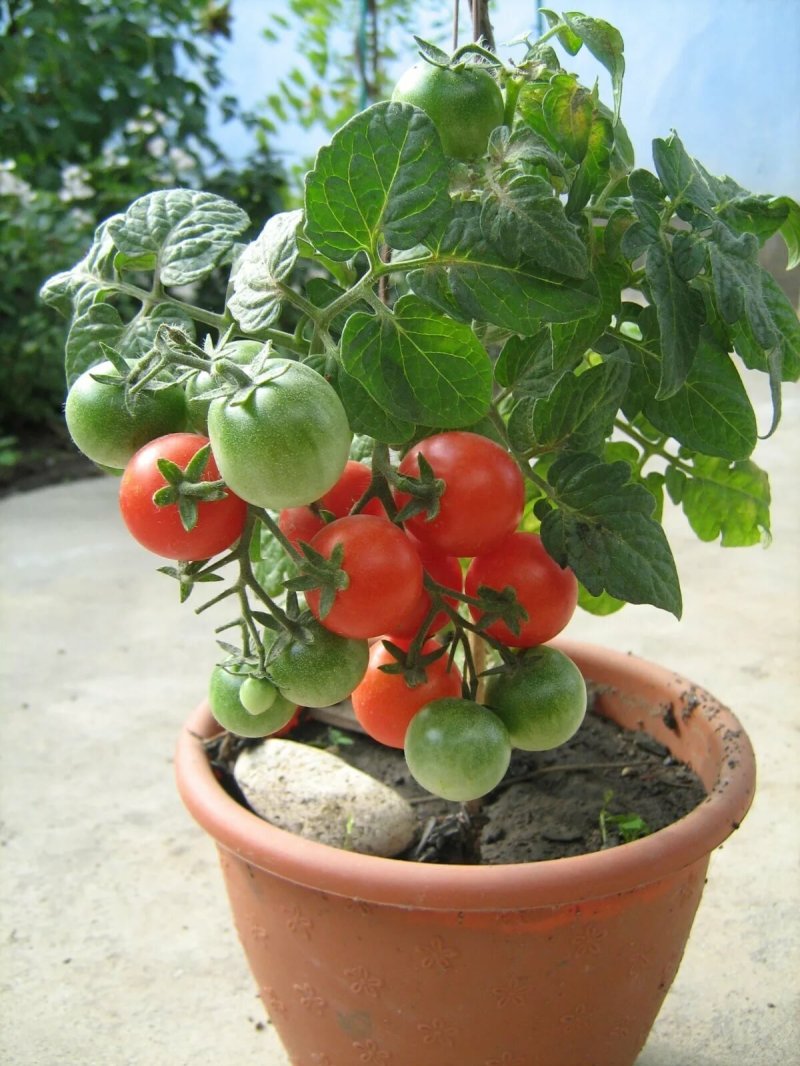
x=507, y=886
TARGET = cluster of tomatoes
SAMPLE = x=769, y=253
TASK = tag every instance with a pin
x=391, y=586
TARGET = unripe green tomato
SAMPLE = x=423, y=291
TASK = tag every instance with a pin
x=197, y=387
x=457, y=749
x=223, y=697
x=322, y=671
x=106, y=429
x=257, y=694
x=287, y=443
x=541, y=698
x=464, y=103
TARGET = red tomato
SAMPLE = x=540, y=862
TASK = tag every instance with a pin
x=159, y=529
x=483, y=497
x=384, y=704
x=548, y=593
x=384, y=576
x=445, y=570
x=301, y=523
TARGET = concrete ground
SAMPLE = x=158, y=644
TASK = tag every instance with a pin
x=117, y=945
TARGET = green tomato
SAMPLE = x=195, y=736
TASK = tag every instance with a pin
x=257, y=694
x=287, y=443
x=199, y=385
x=109, y=432
x=224, y=692
x=457, y=749
x=463, y=102
x=541, y=698
x=322, y=671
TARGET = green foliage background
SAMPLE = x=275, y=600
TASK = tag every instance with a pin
x=99, y=104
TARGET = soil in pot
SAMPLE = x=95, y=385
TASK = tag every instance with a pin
x=604, y=787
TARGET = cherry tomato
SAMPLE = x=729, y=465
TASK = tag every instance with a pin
x=464, y=102
x=483, y=497
x=541, y=698
x=457, y=749
x=384, y=703
x=107, y=428
x=285, y=444
x=160, y=529
x=224, y=699
x=548, y=593
x=320, y=670
x=384, y=576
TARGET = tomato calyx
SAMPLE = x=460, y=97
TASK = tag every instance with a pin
x=412, y=661
x=424, y=491
x=185, y=487
x=321, y=572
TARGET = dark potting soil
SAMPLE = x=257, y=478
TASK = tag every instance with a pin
x=603, y=787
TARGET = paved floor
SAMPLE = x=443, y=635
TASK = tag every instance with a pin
x=117, y=947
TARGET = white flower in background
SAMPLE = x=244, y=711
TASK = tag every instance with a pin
x=75, y=184
x=181, y=160
x=81, y=217
x=11, y=185
x=157, y=146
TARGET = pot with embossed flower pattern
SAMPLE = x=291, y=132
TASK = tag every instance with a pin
x=557, y=963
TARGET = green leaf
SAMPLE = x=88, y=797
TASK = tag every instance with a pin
x=606, y=45
x=528, y=365
x=680, y=314
x=572, y=339
x=366, y=416
x=383, y=175
x=467, y=272
x=601, y=605
x=790, y=231
x=595, y=165
x=577, y=415
x=523, y=147
x=569, y=41
x=522, y=219
x=787, y=327
x=737, y=278
x=602, y=528
x=726, y=500
x=188, y=232
x=100, y=324
x=567, y=109
x=711, y=412
x=418, y=364
x=266, y=262
x=683, y=179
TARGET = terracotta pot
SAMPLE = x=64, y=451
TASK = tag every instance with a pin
x=556, y=963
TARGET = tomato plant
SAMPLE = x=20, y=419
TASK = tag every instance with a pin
x=217, y=522
x=547, y=592
x=108, y=428
x=464, y=102
x=384, y=703
x=382, y=582
x=483, y=492
x=281, y=442
x=457, y=749
x=540, y=697
x=224, y=699
x=485, y=314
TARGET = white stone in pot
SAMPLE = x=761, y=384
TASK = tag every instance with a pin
x=316, y=795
